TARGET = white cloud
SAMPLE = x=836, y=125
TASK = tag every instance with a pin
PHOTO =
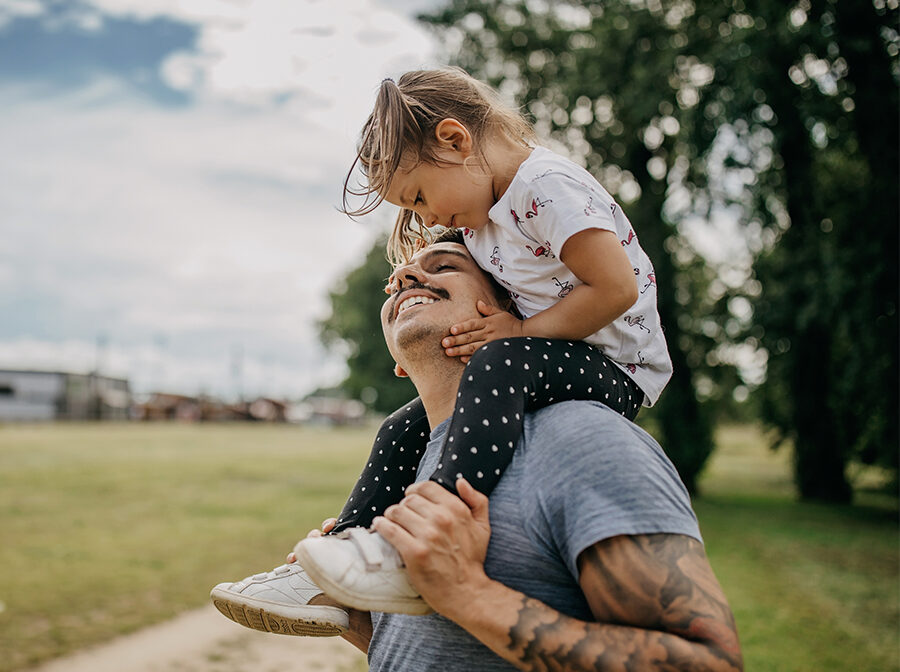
x=331, y=54
x=14, y=9
x=209, y=227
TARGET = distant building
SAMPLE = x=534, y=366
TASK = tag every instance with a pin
x=328, y=411
x=165, y=406
x=56, y=395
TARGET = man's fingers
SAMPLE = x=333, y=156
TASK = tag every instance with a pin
x=412, y=519
x=400, y=538
x=476, y=501
x=431, y=491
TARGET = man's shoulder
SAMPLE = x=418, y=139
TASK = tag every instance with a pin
x=584, y=474
x=572, y=439
x=580, y=421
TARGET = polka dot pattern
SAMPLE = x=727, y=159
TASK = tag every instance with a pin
x=404, y=435
x=500, y=385
x=535, y=373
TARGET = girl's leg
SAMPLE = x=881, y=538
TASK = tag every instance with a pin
x=390, y=468
x=505, y=379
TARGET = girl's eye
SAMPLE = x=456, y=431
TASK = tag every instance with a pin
x=418, y=198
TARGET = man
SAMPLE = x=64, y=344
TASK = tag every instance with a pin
x=587, y=555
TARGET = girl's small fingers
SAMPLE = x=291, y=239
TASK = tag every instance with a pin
x=468, y=325
x=486, y=308
x=472, y=347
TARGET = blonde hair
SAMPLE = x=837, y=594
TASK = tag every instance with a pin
x=401, y=128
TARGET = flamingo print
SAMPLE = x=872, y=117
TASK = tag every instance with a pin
x=636, y=322
x=542, y=250
x=565, y=287
x=495, y=258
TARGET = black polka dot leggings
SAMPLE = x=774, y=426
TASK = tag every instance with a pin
x=503, y=380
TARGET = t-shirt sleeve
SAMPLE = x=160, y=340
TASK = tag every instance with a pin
x=600, y=476
x=555, y=206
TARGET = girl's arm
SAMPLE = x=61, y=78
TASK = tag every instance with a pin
x=596, y=258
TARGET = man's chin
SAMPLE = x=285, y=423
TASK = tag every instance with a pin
x=419, y=339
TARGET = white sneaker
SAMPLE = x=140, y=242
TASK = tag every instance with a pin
x=359, y=568
x=278, y=601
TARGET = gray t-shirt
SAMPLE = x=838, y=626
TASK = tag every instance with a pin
x=580, y=474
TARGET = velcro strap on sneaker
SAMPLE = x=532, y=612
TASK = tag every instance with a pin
x=369, y=551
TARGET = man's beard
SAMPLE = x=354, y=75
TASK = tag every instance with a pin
x=419, y=339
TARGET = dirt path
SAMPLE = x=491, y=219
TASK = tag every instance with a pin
x=204, y=641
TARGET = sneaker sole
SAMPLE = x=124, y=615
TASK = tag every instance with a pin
x=414, y=606
x=279, y=619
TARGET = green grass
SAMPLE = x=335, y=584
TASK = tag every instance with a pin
x=107, y=528
x=813, y=587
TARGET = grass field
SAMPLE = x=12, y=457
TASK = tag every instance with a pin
x=106, y=528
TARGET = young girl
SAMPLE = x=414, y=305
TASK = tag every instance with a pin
x=442, y=146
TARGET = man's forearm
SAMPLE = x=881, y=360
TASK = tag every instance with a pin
x=533, y=636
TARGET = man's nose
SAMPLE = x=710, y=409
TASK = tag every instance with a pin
x=410, y=275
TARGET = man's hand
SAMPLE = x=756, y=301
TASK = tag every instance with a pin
x=466, y=337
x=443, y=540
x=360, y=632
x=656, y=603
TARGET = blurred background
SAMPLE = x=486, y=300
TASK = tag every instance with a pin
x=172, y=250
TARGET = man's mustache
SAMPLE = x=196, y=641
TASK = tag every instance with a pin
x=437, y=291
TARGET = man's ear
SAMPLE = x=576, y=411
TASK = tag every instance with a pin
x=451, y=134
x=400, y=372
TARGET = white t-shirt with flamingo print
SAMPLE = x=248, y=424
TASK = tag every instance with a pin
x=549, y=200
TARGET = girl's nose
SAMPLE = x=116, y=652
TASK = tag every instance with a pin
x=426, y=219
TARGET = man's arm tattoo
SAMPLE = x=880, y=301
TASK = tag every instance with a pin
x=658, y=607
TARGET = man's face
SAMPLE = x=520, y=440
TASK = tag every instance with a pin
x=438, y=288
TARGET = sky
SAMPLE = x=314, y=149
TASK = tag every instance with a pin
x=169, y=183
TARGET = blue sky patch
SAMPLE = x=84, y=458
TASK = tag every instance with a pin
x=61, y=54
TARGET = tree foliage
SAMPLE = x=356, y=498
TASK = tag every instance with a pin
x=811, y=88
x=782, y=115
x=779, y=116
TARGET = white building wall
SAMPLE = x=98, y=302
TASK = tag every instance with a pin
x=29, y=395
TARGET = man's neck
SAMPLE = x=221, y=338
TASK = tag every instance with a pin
x=438, y=385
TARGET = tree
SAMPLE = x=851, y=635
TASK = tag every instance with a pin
x=783, y=114
x=810, y=92
x=355, y=325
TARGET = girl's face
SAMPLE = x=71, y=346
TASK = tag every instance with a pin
x=447, y=193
